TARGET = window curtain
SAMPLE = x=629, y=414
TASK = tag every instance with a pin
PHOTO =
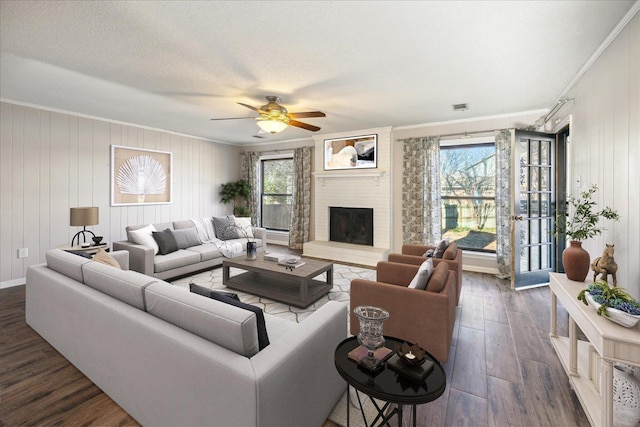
x=301, y=200
x=250, y=167
x=421, y=207
x=503, y=203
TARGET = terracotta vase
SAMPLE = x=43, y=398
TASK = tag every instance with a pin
x=576, y=261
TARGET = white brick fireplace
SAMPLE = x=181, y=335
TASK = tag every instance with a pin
x=353, y=188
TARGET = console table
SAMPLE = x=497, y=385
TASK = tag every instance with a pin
x=586, y=362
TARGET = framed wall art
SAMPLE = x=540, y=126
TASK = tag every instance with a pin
x=140, y=176
x=356, y=152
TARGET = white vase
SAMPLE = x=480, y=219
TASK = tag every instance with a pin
x=626, y=397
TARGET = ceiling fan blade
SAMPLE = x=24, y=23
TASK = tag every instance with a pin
x=234, y=118
x=251, y=107
x=308, y=114
x=306, y=126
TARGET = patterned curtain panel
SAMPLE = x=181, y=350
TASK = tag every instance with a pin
x=250, y=167
x=503, y=203
x=421, y=207
x=301, y=203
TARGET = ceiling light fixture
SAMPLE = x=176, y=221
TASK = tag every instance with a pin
x=272, y=126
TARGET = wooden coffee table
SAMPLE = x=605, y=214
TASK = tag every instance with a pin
x=298, y=287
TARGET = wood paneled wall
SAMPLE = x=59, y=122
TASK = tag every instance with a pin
x=50, y=162
x=605, y=147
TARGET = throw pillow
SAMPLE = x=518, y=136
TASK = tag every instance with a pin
x=225, y=227
x=186, y=237
x=104, y=258
x=428, y=253
x=165, y=240
x=422, y=276
x=263, y=339
x=142, y=236
x=438, y=278
x=451, y=251
x=244, y=227
x=440, y=248
x=201, y=290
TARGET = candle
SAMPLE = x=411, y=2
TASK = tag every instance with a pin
x=410, y=355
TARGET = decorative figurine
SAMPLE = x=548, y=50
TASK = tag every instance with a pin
x=605, y=265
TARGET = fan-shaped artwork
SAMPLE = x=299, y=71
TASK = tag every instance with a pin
x=140, y=177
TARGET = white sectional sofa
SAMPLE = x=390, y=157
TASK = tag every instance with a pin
x=181, y=262
x=174, y=358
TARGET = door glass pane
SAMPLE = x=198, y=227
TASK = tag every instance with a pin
x=545, y=159
x=524, y=151
x=545, y=178
x=534, y=231
x=524, y=179
x=535, y=152
x=535, y=258
x=524, y=258
x=545, y=256
x=535, y=178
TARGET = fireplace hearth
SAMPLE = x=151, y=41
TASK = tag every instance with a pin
x=351, y=225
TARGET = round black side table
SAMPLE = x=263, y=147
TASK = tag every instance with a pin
x=388, y=385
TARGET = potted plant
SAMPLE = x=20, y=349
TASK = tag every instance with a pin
x=237, y=193
x=581, y=224
x=611, y=301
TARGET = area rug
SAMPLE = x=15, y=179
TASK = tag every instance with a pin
x=342, y=276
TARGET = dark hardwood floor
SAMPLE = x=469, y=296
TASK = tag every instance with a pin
x=502, y=369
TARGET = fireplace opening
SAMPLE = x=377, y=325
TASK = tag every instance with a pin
x=351, y=225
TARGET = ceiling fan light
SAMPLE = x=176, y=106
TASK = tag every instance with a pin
x=272, y=126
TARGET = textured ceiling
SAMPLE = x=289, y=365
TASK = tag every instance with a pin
x=175, y=65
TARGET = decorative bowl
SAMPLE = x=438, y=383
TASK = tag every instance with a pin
x=617, y=316
x=292, y=260
x=96, y=240
x=412, y=355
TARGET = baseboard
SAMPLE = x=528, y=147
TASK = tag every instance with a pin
x=11, y=283
x=480, y=269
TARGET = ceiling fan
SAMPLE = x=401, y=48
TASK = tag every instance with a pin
x=274, y=117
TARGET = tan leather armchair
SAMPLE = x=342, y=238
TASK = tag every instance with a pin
x=414, y=254
x=415, y=315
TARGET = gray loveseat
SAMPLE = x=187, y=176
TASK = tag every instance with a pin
x=183, y=261
x=170, y=357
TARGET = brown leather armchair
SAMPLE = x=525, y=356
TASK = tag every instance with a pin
x=414, y=254
x=415, y=315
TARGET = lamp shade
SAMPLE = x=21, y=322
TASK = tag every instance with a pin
x=84, y=216
x=272, y=126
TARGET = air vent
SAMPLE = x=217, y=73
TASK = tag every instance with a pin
x=258, y=136
x=460, y=107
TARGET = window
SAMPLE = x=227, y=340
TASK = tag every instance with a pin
x=468, y=190
x=276, y=195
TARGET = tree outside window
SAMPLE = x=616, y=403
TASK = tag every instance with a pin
x=468, y=184
x=277, y=190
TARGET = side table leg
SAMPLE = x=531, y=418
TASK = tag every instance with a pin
x=553, y=329
x=414, y=416
x=606, y=393
x=573, y=348
x=348, y=404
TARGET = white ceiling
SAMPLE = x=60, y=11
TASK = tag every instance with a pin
x=175, y=65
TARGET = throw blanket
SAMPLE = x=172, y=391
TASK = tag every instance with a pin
x=204, y=227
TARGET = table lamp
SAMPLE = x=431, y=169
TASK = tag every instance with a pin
x=82, y=217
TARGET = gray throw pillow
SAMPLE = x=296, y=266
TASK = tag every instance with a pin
x=186, y=237
x=166, y=242
x=440, y=248
x=225, y=227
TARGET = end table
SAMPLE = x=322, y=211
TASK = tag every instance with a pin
x=388, y=385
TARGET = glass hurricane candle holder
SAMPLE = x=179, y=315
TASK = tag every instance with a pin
x=370, y=335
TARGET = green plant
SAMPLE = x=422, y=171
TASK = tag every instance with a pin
x=583, y=223
x=237, y=193
x=609, y=297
